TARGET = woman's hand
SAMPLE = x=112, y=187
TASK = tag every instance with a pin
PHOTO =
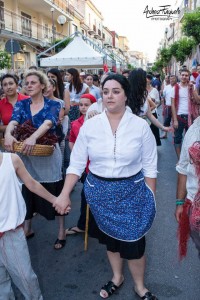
x=167, y=129
x=28, y=145
x=92, y=113
x=62, y=204
x=8, y=142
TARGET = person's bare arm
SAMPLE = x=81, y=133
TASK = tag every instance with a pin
x=151, y=182
x=28, y=180
x=155, y=121
x=9, y=139
x=67, y=101
x=71, y=145
x=152, y=105
x=180, y=194
x=196, y=96
x=174, y=114
x=63, y=202
x=3, y=128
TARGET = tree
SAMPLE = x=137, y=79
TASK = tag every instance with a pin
x=182, y=49
x=5, y=60
x=165, y=56
x=191, y=25
x=62, y=45
x=158, y=66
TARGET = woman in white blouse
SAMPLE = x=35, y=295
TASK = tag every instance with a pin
x=154, y=95
x=121, y=183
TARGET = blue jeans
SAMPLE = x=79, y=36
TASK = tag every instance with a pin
x=182, y=125
x=15, y=263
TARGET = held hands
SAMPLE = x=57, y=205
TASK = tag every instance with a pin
x=62, y=204
x=167, y=129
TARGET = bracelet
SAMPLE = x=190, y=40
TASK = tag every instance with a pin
x=180, y=201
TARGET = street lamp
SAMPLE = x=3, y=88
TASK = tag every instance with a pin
x=53, y=27
x=61, y=20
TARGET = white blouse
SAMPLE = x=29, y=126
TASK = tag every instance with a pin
x=185, y=166
x=131, y=149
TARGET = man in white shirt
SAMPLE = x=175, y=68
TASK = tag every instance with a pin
x=188, y=188
x=167, y=113
x=180, y=100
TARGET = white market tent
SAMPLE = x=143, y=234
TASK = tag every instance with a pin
x=77, y=54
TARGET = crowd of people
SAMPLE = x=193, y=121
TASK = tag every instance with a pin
x=104, y=131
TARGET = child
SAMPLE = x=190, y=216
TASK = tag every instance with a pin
x=86, y=101
x=14, y=255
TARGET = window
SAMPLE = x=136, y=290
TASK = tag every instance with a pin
x=74, y=28
x=2, y=20
x=26, y=24
x=46, y=30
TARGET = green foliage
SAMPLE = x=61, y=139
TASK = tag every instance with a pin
x=174, y=48
x=130, y=67
x=191, y=25
x=5, y=60
x=158, y=66
x=165, y=56
x=182, y=49
x=62, y=45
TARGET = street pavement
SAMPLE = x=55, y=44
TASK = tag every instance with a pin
x=72, y=273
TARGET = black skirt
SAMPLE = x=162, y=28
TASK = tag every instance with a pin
x=35, y=203
x=127, y=250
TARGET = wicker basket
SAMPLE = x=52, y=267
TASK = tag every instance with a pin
x=38, y=150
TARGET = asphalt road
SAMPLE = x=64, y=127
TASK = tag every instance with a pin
x=72, y=273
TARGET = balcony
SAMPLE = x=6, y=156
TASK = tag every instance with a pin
x=24, y=29
x=84, y=25
x=43, y=7
x=92, y=31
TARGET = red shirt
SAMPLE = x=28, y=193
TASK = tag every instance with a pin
x=75, y=127
x=6, y=108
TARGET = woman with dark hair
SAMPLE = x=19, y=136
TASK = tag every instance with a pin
x=154, y=95
x=76, y=88
x=60, y=92
x=9, y=84
x=120, y=186
x=141, y=103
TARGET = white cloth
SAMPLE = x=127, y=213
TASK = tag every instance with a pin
x=12, y=205
x=154, y=95
x=167, y=94
x=144, y=109
x=131, y=149
x=97, y=106
x=73, y=95
x=183, y=100
x=185, y=166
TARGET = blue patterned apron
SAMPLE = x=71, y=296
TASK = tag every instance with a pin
x=123, y=208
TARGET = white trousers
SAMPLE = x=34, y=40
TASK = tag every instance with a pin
x=15, y=264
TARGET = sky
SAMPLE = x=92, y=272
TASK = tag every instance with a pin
x=126, y=17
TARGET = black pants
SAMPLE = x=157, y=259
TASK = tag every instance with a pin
x=155, y=131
